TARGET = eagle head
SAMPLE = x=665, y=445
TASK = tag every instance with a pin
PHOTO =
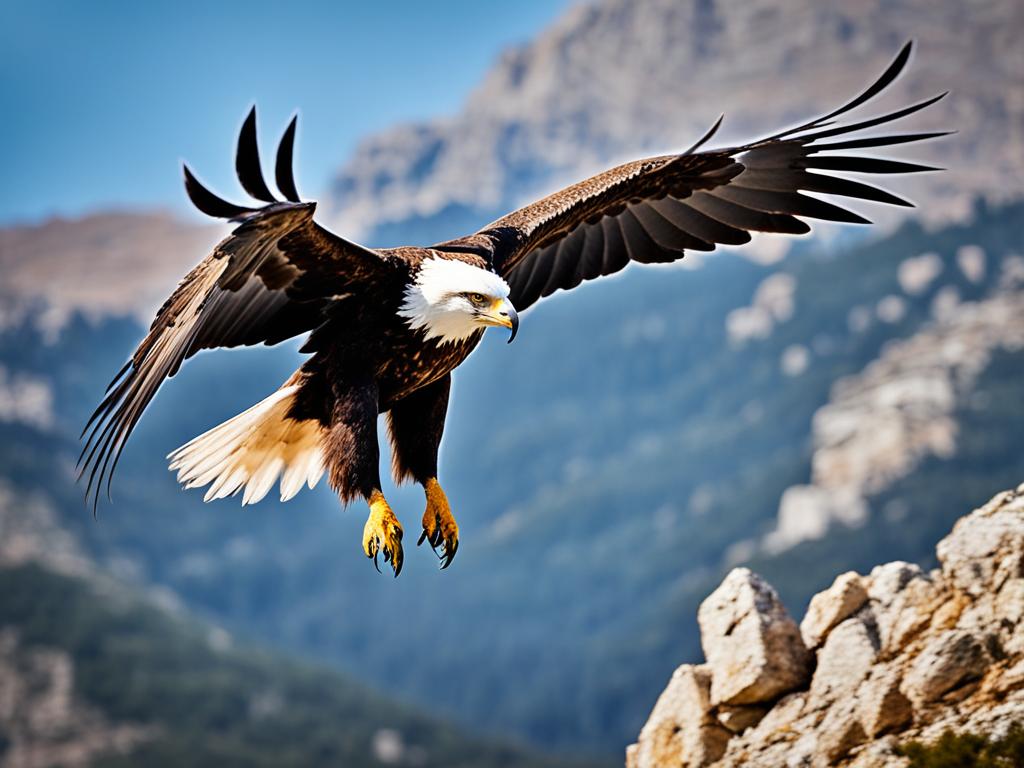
x=452, y=299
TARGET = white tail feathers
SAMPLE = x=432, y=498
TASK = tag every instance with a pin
x=251, y=450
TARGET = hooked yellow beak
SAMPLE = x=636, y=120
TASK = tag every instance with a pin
x=501, y=313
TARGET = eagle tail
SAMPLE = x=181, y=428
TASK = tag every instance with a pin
x=251, y=450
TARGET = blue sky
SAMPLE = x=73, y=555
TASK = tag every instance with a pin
x=102, y=100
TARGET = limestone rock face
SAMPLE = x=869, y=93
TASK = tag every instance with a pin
x=900, y=654
x=986, y=550
x=881, y=705
x=844, y=661
x=753, y=647
x=846, y=595
x=681, y=729
x=951, y=659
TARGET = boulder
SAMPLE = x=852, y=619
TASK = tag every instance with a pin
x=986, y=548
x=843, y=662
x=881, y=705
x=845, y=597
x=681, y=731
x=838, y=733
x=900, y=655
x=753, y=647
x=949, y=660
x=902, y=598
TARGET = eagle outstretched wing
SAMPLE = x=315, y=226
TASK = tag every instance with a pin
x=269, y=280
x=653, y=210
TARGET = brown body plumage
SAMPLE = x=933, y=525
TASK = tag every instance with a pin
x=389, y=326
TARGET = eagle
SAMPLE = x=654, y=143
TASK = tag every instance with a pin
x=388, y=326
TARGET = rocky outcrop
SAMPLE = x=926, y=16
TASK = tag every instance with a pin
x=899, y=654
x=883, y=422
x=753, y=647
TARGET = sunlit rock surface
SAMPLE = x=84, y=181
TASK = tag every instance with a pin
x=901, y=655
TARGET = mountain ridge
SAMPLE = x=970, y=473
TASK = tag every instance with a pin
x=614, y=80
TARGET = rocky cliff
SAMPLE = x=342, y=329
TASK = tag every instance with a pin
x=614, y=79
x=879, y=660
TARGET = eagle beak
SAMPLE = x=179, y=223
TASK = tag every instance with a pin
x=513, y=320
x=502, y=314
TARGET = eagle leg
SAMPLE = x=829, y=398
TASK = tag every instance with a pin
x=382, y=533
x=439, y=526
x=416, y=423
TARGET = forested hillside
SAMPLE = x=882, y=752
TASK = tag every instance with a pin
x=95, y=675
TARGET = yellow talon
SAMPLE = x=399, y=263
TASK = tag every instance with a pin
x=439, y=526
x=383, y=533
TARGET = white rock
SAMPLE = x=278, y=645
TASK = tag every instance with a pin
x=1010, y=601
x=881, y=705
x=681, y=730
x=838, y=733
x=987, y=547
x=752, y=646
x=901, y=597
x=912, y=655
x=840, y=601
x=917, y=273
x=891, y=309
x=807, y=512
x=843, y=662
x=949, y=660
x=971, y=260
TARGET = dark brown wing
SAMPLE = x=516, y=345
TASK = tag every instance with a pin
x=271, y=279
x=654, y=210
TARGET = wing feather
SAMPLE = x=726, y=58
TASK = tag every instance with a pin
x=656, y=209
x=689, y=219
x=270, y=279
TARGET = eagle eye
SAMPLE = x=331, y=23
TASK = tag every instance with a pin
x=476, y=299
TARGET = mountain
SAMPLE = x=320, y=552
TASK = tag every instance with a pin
x=107, y=264
x=906, y=663
x=618, y=79
x=620, y=480
x=94, y=673
x=644, y=434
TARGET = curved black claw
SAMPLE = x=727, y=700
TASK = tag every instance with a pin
x=394, y=556
x=397, y=558
x=449, y=553
x=445, y=545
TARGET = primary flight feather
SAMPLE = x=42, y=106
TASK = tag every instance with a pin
x=388, y=326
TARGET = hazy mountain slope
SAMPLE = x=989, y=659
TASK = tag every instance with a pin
x=615, y=78
x=94, y=674
x=101, y=265
x=602, y=468
x=605, y=466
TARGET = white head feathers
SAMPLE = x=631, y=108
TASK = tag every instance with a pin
x=436, y=300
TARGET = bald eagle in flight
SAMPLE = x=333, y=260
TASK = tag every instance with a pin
x=388, y=326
